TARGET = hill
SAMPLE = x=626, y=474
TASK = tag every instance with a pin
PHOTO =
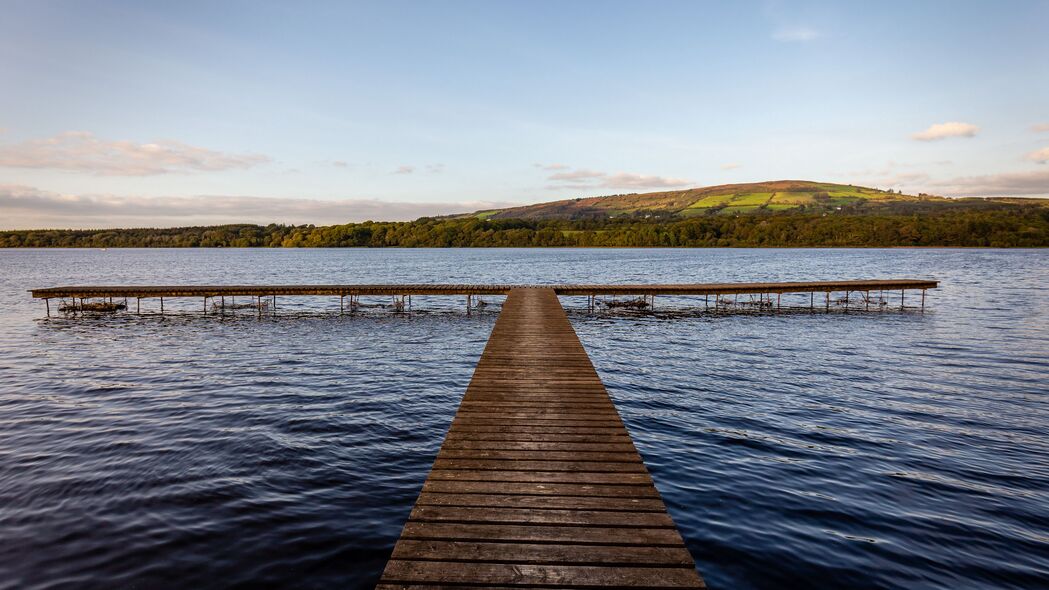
x=736, y=199
x=787, y=213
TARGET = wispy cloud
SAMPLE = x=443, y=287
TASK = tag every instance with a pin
x=582, y=178
x=31, y=208
x=945, y=130
x=1040, y=128
x=81, y=151
x=997, y=185
x=435, y=168
x=340, y=163
x=795, y=34
x=404, y=169
x=1041, y=156
x=581, y=175
x=730, y=166
x=551, y=166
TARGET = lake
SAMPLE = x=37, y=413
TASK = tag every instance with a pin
x=860, y=450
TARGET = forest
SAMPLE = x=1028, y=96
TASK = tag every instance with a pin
x=1026, y=226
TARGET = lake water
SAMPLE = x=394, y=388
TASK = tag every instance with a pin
x=859, y=450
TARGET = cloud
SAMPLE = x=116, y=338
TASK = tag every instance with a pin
x=340, y=163
x=405, y=169
x=583, y=178
x=945, y=130
x=435, y=168
x=900, y=179
x=31, y=208
x=996, y=185
x=795, y=34
x=80, y=151
x=551, y=166
x=1040, y=128
x=730, y=166
x=577, y=175
x=625, y=180
x=1041, y=156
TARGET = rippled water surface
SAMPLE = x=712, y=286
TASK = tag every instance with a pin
x=859, y=450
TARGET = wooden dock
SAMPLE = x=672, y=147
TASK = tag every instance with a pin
x=213, y=291
x=538, y=483
x=402, y=293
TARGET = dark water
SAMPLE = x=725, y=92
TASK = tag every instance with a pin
x=875, y=450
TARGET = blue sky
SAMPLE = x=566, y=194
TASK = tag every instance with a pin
x=166, y=113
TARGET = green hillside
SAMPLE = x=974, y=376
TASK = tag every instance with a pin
x=784, y=213
x=742, y=199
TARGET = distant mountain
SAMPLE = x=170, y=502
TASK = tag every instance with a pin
x=737, y=199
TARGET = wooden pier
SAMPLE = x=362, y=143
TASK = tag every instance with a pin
x=538, y=483
x=399, y=292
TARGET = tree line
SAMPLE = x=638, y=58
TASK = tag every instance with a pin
x=1026, y=226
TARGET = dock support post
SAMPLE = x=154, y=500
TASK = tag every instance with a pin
x=274, y=304
x=138, y=305
x=778, y=297
x=901, y=298
x=812, y=300
x=828, y=302
x=47, y=304
x=342, y=303
x=161, y=305
x=469, y=303
x=923, y=300
x=846, y=302
x=868, y=301
x=205, y=305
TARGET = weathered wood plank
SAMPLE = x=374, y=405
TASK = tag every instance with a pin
x=487, y=515
x=543, y=502
x=543, y=554
x=527, y=575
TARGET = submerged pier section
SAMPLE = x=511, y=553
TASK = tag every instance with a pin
x=538, y=483
x=868, y=294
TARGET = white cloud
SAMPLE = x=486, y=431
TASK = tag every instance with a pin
x=730, y=166
x=945, y=130
x=581, y=175
x=1041, y=156
x=583, y=178
x=554, y=166
x=1040, y=128
x=626, y=180
x=31, y=208
x=435, y=168
x=795, y=34
x=404, y=169
x=997, y=185
x=340, y=163
x=80, y=151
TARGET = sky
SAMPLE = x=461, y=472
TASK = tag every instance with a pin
x=157, y=113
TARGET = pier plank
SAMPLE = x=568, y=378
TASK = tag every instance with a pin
x=538, y=483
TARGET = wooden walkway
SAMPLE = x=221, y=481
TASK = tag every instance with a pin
x=538, y=483
x=147, y=291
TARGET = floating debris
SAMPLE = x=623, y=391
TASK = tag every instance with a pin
x=103, y=307
x=627, y=303
x=236, y=306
